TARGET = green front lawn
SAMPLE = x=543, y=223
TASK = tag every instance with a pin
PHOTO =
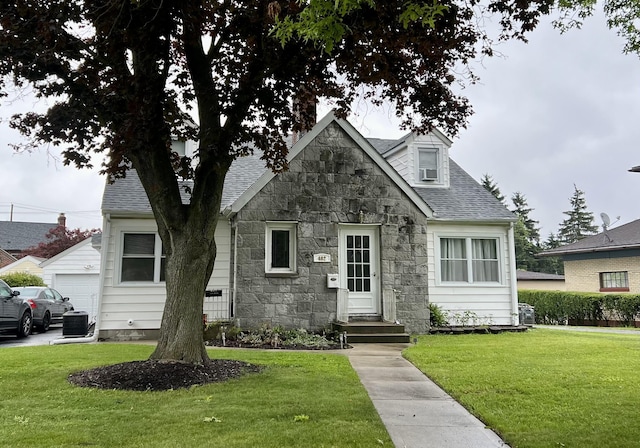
x=300, y=399
x=542, y=388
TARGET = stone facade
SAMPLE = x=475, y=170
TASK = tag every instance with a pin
x=331, y=182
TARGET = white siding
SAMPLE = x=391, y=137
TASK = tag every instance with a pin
x=402, y=163
x=79, y=259
x=491, y=304
x=144, y=304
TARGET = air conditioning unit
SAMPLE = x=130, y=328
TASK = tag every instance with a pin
x=428, y=175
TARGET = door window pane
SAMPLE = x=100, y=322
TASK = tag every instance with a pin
x=358, y=263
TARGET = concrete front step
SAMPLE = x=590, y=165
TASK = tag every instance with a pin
x=368, y=327
x=379, y=338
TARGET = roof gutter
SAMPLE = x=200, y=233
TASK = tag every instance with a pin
x=587, y=251
x=106, y=231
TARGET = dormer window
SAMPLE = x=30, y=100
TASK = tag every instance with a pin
x=428, y=165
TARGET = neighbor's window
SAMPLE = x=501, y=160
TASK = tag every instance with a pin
x=280, y=251
x=143, y=258
x=428, y=165
x=471, y=260
x=614, y=281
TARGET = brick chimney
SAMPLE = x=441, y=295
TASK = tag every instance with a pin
x=62, y=220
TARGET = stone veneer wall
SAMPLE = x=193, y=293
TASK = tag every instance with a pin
x=328, y=184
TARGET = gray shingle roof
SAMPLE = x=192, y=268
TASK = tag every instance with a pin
x=465, y=200
x=127, y=196
x=623, y=237
x=382, y=145
x=18, y=236
x=528, y=275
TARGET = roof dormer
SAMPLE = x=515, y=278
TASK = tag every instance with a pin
x=422, y=160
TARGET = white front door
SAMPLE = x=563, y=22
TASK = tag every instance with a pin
x=358, y=249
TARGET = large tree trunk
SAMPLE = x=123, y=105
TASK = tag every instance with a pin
x=188, y=270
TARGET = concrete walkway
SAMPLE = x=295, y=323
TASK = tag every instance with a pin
x=416, y=412
x=611, y=330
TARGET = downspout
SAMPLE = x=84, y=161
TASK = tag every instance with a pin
x=233, y=222
x=104, y=245
x=234, y=225
x=515, y=319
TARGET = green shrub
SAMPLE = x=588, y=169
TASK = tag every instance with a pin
x=437, y=317
x=558, y=307
x=18, y=279
x=278, y=336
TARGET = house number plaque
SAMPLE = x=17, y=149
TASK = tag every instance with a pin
x=321, y=258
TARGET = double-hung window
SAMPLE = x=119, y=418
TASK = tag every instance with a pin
x=280, y=251
x=143, y=258
x=428, y=164
x=614, y=281
x=469, y=260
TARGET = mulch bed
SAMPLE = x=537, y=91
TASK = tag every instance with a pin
x=153, y=375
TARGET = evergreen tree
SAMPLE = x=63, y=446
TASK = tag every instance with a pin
x=522, y=209
x=551, y=265
x=525, y=249
x=492, y=187
x=579, y=222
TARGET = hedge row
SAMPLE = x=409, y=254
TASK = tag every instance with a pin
x=558, y=307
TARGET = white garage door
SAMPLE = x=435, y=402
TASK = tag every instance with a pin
x=82, y=290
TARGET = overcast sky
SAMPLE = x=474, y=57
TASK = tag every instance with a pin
x=558, y=111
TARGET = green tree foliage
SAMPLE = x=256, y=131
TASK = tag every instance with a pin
x=622, y=15
x=522, y=210
x=121, y=75
x=525, y=250
x=551, y=265
x=18, y=279
x=59, y=239
x=492, y=187
x=526, y=235
x=579, y=221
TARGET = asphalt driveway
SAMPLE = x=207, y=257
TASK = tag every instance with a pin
x=10, y=340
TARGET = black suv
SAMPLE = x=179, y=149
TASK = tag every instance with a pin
x=15, y=313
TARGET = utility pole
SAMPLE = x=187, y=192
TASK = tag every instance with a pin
x=11, y=214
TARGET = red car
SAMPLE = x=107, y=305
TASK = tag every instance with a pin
x=47, y=305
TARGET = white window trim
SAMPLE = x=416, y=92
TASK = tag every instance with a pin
x=290, y=226
x=439, y=164
x=500, y=244
x=157, y=263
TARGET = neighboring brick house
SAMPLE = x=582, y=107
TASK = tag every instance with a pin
x=355, y=229
x=606, y=262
